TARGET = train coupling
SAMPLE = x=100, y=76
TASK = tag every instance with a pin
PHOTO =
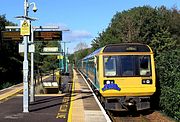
x=130, y=102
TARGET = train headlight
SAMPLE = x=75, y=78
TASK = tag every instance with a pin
x=147, y=81
x=108, y=81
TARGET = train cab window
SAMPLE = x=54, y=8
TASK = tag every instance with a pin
x=144, y=62
x=110, y=66
x=127, y=64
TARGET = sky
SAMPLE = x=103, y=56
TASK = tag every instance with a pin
x=84, y=18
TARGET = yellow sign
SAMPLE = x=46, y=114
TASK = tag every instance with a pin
x=60, y=57
x=25, y=28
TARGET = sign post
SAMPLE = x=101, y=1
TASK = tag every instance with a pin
x=25, y=32
x=25, y=76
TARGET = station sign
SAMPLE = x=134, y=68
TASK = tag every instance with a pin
x=60, y=57
x=50, y=49
x=11, y=35
x=47, y=35
x=50, y=53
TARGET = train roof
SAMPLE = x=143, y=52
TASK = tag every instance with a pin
x=123, y=47
x=93, y=54
x=127, y=47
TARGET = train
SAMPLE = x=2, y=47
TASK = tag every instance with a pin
x=122, y=75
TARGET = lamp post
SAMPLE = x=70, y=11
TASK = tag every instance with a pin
x=64, y=57
x=67, y=60
x=25, y=67
x=25, y=62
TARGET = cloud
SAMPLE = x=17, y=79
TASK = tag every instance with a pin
x=62, y=26
x=78, y=35
x=72, y=35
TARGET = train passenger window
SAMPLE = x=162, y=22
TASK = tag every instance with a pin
x=110, y=66
x=144, y=65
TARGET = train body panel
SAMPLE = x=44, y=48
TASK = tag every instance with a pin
x=122, y=71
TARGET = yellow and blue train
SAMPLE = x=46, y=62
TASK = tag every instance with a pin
x=123, y=75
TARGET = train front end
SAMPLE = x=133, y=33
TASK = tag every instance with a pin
x=127, y=79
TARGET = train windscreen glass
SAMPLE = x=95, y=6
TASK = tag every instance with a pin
x=127, y=65
x=110, y=66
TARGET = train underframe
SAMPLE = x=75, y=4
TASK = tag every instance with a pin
x=126, y=103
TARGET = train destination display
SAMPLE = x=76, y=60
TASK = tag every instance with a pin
x=48, y=35
x=38, y=35
x=11, y=35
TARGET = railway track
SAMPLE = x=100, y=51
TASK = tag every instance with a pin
x=136, y=116
x=139, y=116
x=126, y=117
x=121, y=116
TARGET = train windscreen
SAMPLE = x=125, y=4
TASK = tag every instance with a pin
x=127, y=65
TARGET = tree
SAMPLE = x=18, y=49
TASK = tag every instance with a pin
x=45, y=63
x=139, y=24
x=80, y=46
x=11, y=61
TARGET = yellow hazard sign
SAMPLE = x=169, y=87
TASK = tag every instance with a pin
x=25, y=28
x=59, y=57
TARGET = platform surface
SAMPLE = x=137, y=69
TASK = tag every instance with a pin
x=84, y=107
x=76, y=104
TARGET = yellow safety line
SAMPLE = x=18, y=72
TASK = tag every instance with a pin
x=42, y=95
x=10, y=93
x=14, y=91
x=72, y=98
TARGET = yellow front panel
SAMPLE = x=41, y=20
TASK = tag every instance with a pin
x=129, y=86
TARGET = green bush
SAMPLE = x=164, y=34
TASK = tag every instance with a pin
x=167, y=57
x=5, y=85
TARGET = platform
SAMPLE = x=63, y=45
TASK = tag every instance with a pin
x=84, y=107
x=76, y=104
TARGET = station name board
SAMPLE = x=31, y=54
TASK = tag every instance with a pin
x=38, y=35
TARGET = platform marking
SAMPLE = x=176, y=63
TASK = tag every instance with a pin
x=11, y=93
x=72, y=97
x=63, y=108
x=61, y=115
